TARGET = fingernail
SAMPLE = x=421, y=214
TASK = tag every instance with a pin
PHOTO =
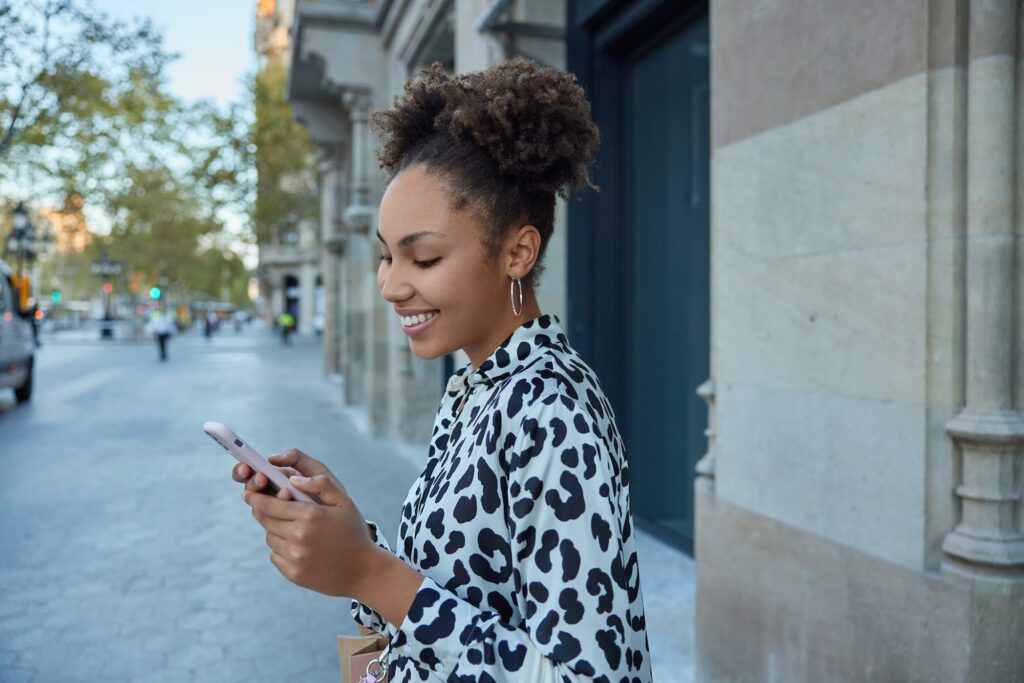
x=243, y=495
x=299, y=480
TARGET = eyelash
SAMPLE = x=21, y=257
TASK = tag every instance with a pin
x=421, y=264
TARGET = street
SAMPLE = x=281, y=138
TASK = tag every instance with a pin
x=126, y=552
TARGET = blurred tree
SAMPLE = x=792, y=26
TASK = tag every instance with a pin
x=85, y=112
x=284, y=160
x=73, y=81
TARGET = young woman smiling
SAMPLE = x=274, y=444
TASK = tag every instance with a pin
x=516, y=558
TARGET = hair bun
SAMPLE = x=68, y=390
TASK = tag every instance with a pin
x=533, y=121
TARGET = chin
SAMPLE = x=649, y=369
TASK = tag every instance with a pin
x=428, y=351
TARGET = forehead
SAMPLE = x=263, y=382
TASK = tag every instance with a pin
x=416, y=200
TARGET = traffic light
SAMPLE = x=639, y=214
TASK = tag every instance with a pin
x=107, y=288
x=55, y=297
x=155, y=293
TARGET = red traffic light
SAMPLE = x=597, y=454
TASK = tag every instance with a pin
x=107, y=288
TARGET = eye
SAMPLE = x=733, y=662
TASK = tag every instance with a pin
x=427, y=264
x=384, y=259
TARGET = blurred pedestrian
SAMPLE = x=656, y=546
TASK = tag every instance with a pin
x=162, y=327
x=286, y=321
x=209, y=324
x=35, y=325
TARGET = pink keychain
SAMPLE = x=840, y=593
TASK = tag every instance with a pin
x=375, y=674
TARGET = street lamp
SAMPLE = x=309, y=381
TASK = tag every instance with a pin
x=26, y=244
x=106, y=268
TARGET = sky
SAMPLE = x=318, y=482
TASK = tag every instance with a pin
x=213, y=38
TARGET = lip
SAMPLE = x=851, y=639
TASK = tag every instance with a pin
x=416, y=311
x=416, y=330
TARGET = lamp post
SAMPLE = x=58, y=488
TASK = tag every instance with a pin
x=26, y=244
x=106, y=268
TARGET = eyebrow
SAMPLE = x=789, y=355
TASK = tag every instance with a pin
x=413, y=236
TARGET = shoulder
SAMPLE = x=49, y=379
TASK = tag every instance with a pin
x=557, y=385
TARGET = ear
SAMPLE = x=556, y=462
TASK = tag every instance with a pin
x=522, y=251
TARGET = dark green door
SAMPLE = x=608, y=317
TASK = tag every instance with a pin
x=668, y=193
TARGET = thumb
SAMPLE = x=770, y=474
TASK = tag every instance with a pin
x=323, y=487
x=295, y=458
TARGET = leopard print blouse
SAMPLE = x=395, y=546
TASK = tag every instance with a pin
x=521, y=525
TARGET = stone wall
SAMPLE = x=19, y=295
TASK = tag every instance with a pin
x=860, y=515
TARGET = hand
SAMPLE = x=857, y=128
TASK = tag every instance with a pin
x=243, y=474
x=327, y=547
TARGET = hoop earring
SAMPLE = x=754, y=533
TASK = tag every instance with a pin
x=511, y=293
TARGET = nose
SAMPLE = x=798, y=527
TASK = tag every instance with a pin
x=394, y=287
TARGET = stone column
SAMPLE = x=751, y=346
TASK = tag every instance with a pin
x=330, y=255
x=359, y=213
x=990, y=428
x=361, y=216
x=358, y=218
x=354, y=274
x=308, y=269
x=277, y=298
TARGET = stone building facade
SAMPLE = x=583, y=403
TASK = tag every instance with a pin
x=860, y=516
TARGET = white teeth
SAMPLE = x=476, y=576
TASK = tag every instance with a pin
x=409, y=320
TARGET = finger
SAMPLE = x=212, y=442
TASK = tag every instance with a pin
x=284, y=494
x=275, y=507
x=279, y=545
x=258, y=482
x=278, y=527
x=324, y=488
x=306, y=465
x=241, y=472
x=283, y=566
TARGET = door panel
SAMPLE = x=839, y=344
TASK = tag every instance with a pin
x=668, y=285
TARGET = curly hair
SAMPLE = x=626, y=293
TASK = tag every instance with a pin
x=507, y=140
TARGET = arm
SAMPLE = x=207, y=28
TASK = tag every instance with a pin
x=367, y=616
x=578, y=585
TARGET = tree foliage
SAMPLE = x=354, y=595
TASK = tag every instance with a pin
x=286, y=177
x=73, y=83
x=85, y=110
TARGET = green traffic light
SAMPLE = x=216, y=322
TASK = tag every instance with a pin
x=55, y=296
x=154, y=293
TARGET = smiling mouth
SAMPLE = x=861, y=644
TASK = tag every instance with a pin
x=413, y=320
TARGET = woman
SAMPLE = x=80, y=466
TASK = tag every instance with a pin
x=516, y=557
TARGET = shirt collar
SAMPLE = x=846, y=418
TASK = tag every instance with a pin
x=512, y=355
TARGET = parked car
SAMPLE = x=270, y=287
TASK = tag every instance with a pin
x=16, y=343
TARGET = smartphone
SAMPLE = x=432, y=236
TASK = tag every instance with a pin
x=244, y=453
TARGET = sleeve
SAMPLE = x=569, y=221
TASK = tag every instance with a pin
x=361, y=612
x=568, y=559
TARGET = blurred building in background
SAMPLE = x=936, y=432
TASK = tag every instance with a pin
x=801, y=281
x=68, y=225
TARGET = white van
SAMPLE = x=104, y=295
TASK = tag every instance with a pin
x=16, y=343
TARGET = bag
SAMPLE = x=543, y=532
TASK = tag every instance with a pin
x=356, y=652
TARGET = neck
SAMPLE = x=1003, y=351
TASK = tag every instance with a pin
x=508, y=323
